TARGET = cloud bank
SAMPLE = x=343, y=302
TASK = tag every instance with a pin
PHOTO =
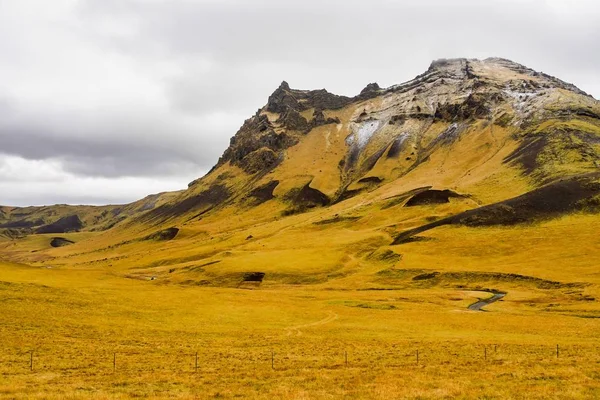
x=106, y=101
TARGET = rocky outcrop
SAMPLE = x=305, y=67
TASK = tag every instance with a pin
x=575, y=194
x=60, y=242
x=262, y=193
x=257, y=140
x=370, y=91
x=71, y=223
x=262, y=159
x=284, y=99
x=291, y=119
x=307, y=197
x=319, y=119
x=165, y=234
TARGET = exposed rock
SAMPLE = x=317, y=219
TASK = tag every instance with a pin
x=60, y=242
x=370, y=89
x=253, y=276
x=22, y=223
x=70, y=223
x=319, y=119
x=259, y=160
x=307, y=197
x=255, y=134
x=262, y=193
x=202, y=202
x=431, y=196
x=475, y=106
x=291, y=119
x=371, y=179
x=282, y=99
x=580, y=193
x=285, y=98
x=165, y=234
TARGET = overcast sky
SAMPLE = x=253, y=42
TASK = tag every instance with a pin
x=106, y=101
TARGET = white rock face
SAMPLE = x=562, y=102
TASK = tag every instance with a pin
x=363, y=132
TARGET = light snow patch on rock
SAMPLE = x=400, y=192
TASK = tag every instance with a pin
x=366, y=131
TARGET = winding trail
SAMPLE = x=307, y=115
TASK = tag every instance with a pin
x=482, y=303
x=296, y=329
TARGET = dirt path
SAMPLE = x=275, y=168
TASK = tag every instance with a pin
x=482, y=303
x=297, y=329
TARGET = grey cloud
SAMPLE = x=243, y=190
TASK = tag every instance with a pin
x=206, y=65
x=113, y=144
x=344, y=45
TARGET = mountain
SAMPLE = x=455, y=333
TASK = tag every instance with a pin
x=315, y=185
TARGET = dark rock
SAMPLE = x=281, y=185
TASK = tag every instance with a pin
x=259, y=160
x=573, y=194
x=306, y=197
x=202, y=202
x=263, y=193
x=22, y=223
x=396, y=147
x=370, y=179
x=319, y=119
x=165, y=234
x=253, y=276
x=257, y=133
x=70, y=223
x=291, y=119
x=370, y=91
x=283, y=99
x=431, y=196
x=60, y=242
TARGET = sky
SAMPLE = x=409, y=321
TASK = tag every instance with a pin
x=107, y=101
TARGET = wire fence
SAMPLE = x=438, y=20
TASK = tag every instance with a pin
x=231, y=359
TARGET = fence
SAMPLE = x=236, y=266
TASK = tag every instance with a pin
x=230, y=359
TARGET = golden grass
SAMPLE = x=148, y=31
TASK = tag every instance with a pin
x=322, y=297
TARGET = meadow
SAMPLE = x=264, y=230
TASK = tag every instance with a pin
x=107, y=332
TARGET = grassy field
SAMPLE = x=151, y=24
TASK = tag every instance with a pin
x=96, y=332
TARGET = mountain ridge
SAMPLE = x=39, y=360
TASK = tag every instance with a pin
x=311, y=148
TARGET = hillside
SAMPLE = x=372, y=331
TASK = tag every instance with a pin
x=468, y=142
x=364, y=225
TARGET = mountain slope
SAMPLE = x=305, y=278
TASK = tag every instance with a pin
x=460, y=125
x=317, y=187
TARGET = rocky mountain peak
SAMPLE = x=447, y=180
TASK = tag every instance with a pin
x=457, y=91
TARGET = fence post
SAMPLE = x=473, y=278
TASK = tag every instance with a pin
x=556, y=351
x=485, y=353
x=272, y=359
x=346, y=357
x=31, y=360
x=196, y=362
x=417, y=357
x=114, y=362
